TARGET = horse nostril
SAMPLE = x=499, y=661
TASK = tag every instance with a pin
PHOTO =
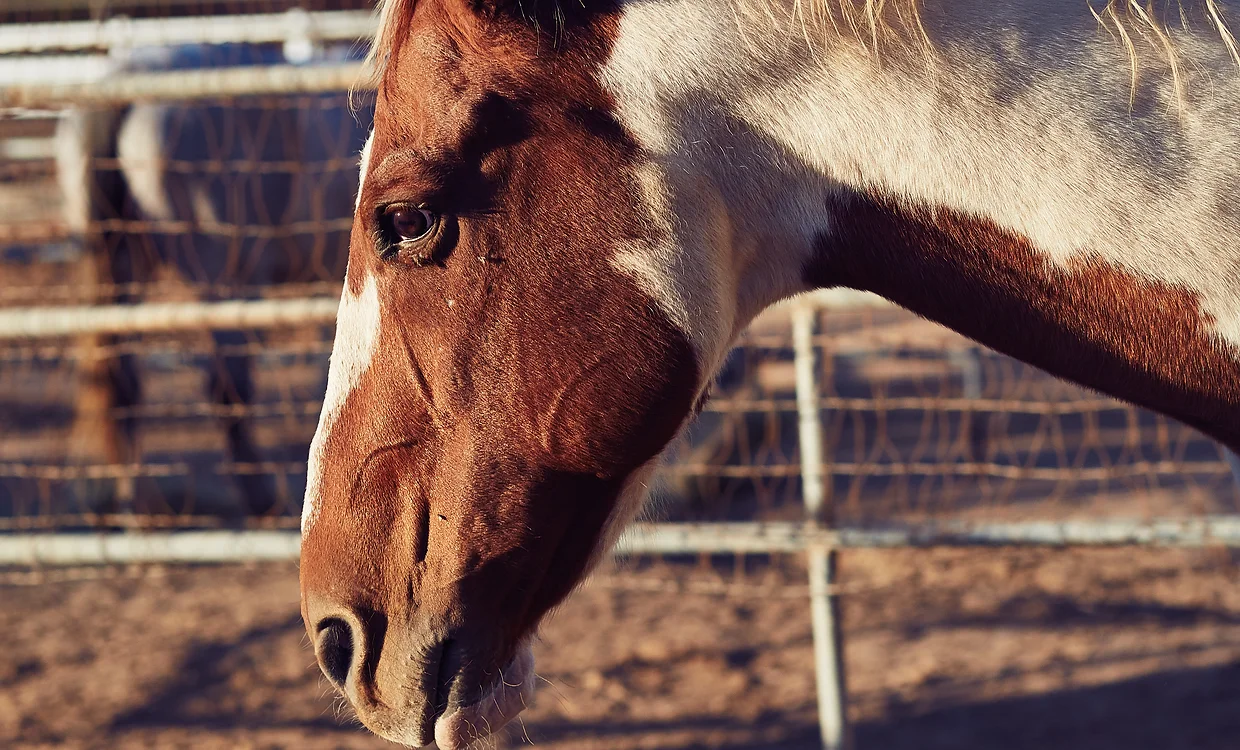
x=335, y=649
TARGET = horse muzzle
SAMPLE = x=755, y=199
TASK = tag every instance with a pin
x=420, y=686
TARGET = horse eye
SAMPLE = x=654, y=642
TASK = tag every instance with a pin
x=403, y=223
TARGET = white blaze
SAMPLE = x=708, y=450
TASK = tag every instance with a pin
x=357, y=336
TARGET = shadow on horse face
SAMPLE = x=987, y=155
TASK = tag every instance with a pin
x=500, y=385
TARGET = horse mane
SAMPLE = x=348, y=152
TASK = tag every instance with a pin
x=391, y=24
x=1124, y=18
x=869, y=24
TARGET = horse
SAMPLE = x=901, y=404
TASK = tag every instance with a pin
x=211, y=192
x=569, y=211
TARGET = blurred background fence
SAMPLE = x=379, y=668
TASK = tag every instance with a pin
x=176, y=187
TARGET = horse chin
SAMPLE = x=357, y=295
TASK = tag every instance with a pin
x=460, y=728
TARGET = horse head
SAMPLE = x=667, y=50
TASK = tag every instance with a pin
x=519, y=338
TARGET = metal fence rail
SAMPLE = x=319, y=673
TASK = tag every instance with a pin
x=46, y=322
x=125, y=33
x=126, y=548
x=79, y=320
x=185, y=85
x=31, y=77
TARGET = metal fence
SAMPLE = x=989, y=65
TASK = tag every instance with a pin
x=165, y=326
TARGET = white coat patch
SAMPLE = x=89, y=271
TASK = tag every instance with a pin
x=357, y=337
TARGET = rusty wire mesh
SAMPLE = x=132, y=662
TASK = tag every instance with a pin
x=250, y=198
x=921, y=424
x=240, y=198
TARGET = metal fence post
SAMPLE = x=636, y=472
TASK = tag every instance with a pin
x=1233, y=463
x=824, y=610
x=973, y=425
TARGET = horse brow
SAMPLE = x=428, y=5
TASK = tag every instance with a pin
x=431, y=174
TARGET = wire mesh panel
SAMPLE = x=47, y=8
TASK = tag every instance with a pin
x=924, y=424
x=921, y=424
x=168, y=456
x=146, y=205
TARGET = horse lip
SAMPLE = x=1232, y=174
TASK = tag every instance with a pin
x=496, y=684
x=443, y=668
x=445, y=674
x=501, y=692
x=438, y=678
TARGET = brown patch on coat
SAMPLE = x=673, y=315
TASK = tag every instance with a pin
x=519, y=379
x=1132, y=337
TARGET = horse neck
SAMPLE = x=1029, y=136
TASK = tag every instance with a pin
x=1012, y=185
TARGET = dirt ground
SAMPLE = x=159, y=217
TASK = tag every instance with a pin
x=1064, y=649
